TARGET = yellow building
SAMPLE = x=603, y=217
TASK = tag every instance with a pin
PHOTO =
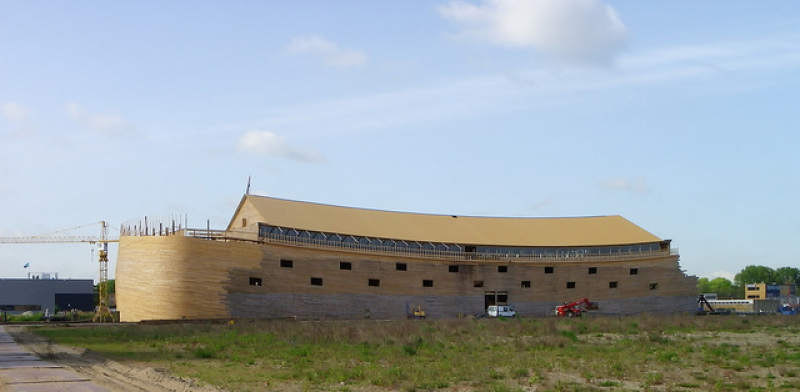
x=282, y=258
x=756, y=291
x=785, y=292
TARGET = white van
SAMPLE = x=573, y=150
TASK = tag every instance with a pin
x=500, y=311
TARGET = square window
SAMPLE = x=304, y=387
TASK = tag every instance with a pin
x=477, y=283
x=502, y=268
x=375, y=282
x=316, y=281
x=287, y=263
x=592, y=270
x=427, y=283
x=526, y=284
x=612, y=285
x=653, y=286
x=549, y=270
x=570, y=285
x=401, y=266
x=255, y=281
x=345, y=265
x=452, y=268
x=634, y=271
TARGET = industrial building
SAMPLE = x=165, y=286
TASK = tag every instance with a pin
x=786, y=293
x=746, y=306
x=45, y=293
x=280, y=258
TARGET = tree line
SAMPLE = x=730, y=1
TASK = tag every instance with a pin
x=751, y=274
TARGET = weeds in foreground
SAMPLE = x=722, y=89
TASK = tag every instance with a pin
x=643, y=352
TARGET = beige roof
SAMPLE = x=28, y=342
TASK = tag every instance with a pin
x=467, y=230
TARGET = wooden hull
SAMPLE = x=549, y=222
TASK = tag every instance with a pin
x=178, y=277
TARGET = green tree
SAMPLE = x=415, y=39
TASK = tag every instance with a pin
x=723, y=287
x=110, y=285
x=756, y=274
x=703, y=286
x=788, y=274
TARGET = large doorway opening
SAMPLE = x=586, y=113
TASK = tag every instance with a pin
x=495, y=298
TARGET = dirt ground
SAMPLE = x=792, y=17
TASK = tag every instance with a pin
x=109, y=374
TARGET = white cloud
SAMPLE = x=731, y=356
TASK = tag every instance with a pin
x=537, y=87
x=20, y=116
x=572, y=32
x=14, y=111
x=725, y=274
x=636, y=185
x=271, y=144
x=328, y=51
x=107, y=124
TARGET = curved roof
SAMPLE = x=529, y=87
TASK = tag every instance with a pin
x=468, y=230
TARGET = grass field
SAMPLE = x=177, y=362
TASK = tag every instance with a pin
x=667, y=353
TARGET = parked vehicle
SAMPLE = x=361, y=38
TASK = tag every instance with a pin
x=500, y=311
x=415, y=312
x=787, y=310
x=575, y=308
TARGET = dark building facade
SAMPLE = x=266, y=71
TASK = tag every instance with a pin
x=40, y=295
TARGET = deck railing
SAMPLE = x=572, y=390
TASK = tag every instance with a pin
x=221, y=235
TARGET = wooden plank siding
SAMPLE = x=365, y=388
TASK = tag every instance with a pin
x=174, y=277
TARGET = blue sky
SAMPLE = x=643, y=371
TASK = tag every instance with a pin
x=680, y=116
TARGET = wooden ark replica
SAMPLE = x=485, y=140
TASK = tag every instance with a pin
x=282, y=258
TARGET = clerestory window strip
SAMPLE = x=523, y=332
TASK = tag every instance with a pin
x=348, y=240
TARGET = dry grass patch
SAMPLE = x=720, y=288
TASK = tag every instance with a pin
x=591, y=354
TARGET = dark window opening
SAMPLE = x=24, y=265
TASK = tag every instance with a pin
x=345, y=265
x=24, y=308
x=316, y=281
x=653, y=286
x=255, y=281
x=549, y=270
x=78, y=301
x=427, y=283
x=452, y=268
x=477, y=283
x=287, y=263
x=526, y=284
x=470, y=249
x=401, y=266
x=570, y=285
x=244, y=222
x=375, y=282
x=502, y=268
x=592, y=270
x=634, y=271
x=612, y=285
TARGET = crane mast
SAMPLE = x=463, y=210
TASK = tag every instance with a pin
x=102, y=313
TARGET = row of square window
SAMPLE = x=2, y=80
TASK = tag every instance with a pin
x=526, y=284
x=345, y=265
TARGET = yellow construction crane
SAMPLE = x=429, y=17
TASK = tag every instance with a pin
x=103, y=313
